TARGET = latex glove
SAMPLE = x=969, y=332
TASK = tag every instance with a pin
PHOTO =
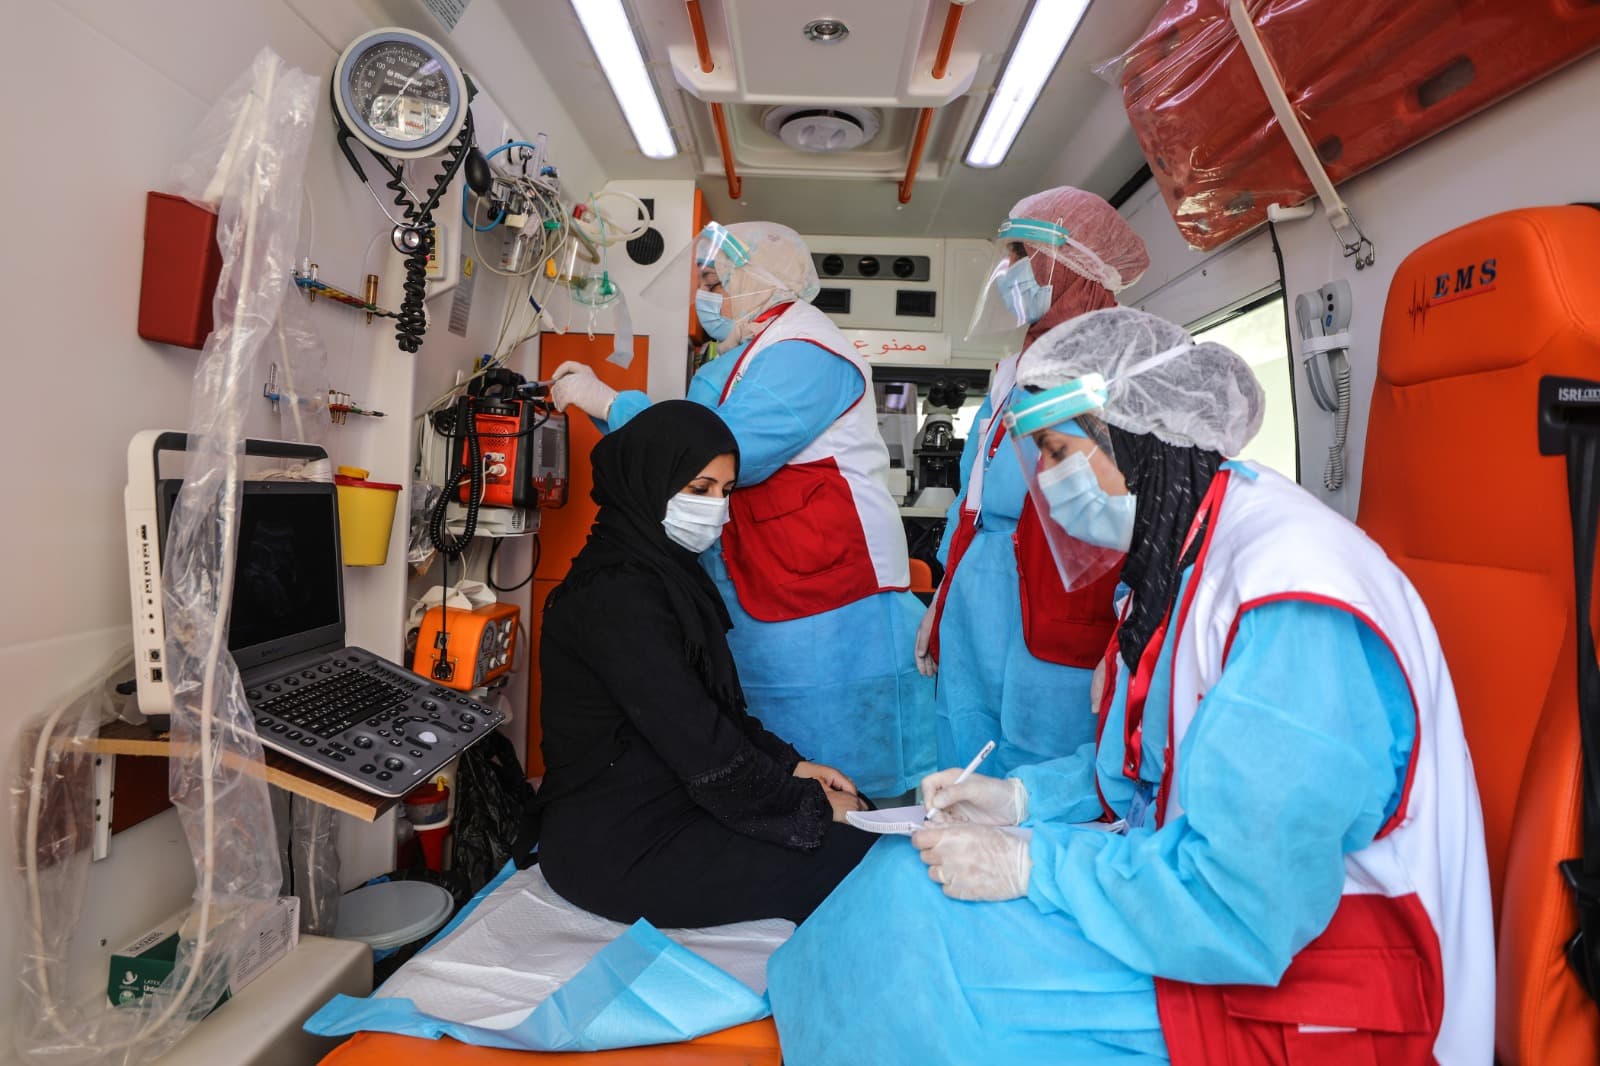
x=927, y=666
x=574, y=385
x=979, y=800
x=826, y=776
x=976, y=862
x=842, y=802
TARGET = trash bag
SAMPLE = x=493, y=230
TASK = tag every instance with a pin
x=493, y=799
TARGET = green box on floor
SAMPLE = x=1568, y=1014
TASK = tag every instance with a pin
x=143, y=965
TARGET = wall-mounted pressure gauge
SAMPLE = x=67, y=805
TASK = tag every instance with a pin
x=399, y=93
x=401, y=96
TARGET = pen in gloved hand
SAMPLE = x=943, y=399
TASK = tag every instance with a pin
x=983, y=753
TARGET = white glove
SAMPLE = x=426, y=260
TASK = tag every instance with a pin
x=927, y=666
x=977, y=862
x=574, y=385
x=979, y=800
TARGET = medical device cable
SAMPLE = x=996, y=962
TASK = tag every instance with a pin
x=494, y=550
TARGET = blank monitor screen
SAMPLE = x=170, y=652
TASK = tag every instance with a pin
x=287, y=579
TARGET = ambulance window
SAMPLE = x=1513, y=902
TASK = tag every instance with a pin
x=1256, y=331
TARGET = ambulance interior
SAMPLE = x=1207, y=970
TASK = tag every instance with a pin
x=1389, y=208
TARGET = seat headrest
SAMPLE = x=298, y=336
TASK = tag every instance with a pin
x=1493, y=295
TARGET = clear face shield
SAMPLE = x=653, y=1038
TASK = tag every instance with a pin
x=1071, y=471
x=726, y=289
x=1031, y=260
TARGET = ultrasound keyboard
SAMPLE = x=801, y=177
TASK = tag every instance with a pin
x=364, y=720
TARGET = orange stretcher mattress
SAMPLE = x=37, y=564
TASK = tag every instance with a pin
x=754, y=1044
x=1367, y=79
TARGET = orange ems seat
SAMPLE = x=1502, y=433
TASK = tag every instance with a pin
x=1457, y=491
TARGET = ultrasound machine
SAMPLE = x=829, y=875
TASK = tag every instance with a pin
x=343, y=710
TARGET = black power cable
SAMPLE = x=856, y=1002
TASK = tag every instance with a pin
x=1288, y=343
x=494, y=550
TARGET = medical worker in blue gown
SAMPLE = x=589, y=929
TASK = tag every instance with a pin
x=812, y=563
x=1012, y=669
x=1273, y=855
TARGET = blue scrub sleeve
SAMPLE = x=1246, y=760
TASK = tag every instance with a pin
x=1062, y=789
x=969, y=456
x=1294, y=758
x=623, y=409
x=791, y=393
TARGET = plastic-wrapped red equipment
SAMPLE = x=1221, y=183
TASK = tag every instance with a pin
x=1368, y=80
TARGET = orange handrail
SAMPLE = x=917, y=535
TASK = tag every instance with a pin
x=941, y=66
x=947, y=40
x=697, y=25
x=734, y=182
x=916, y=154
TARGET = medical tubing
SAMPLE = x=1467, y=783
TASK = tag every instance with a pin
x=1333, y=476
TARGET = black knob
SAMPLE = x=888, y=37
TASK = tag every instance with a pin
x=362, y=742
x=833, y=265
x=903, y=266
x=394, y=764
x=868, y=266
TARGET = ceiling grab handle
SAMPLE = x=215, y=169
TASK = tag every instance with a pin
x=941, y=65
x=1339, y=216
x=917, y=143
x=702, y=47
x=697, y=26
x=735, y=183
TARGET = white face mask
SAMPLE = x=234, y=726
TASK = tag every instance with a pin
x=695, y=522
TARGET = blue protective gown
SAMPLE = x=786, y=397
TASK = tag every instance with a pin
x=1296, y=757
x=989, y=686
x=841, y=686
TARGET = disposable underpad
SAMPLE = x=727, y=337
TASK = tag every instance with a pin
x=520, y=967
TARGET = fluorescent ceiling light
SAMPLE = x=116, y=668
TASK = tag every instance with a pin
x=1050, y=26
x=606, y=25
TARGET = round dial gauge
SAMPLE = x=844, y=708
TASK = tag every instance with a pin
x=399, y=93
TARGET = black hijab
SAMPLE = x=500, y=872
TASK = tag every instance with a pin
x=637, y=469
x=1168, y=483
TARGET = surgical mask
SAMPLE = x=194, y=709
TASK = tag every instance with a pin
x=708, y=308
x=1085, y=510
x=1022, y=291
x=695, y=522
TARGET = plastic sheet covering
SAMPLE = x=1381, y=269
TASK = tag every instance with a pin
x=1367, y=80
x=248, y=161
x=308, y=835
x=302, y=360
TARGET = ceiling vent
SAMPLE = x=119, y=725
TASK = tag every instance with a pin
x=822, y=129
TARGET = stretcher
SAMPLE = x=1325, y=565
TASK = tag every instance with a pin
x=1368, y=81
x=752, y=1044
x=523, y=972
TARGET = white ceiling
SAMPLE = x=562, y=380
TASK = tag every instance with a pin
x=1076, y=134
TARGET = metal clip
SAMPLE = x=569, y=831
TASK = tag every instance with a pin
x=1361, y=249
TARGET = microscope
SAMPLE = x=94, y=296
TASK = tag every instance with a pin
x=938, y=450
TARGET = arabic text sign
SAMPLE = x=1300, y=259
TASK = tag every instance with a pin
x=902, y=348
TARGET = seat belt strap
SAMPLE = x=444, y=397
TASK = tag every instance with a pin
x=1569, y=425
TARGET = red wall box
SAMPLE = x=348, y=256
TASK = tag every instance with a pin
x=1367, y=79
x=181, y=264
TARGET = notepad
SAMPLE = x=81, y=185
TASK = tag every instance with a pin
x=896, y=821
x=903, y=821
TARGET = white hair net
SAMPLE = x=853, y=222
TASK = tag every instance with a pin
x=1160, y=380
x=1104, y=248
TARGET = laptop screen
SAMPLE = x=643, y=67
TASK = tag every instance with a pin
x=287, y=595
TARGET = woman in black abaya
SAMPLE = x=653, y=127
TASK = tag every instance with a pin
x=662, y=798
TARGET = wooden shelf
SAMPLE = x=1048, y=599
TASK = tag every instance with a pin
x=121, y=738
